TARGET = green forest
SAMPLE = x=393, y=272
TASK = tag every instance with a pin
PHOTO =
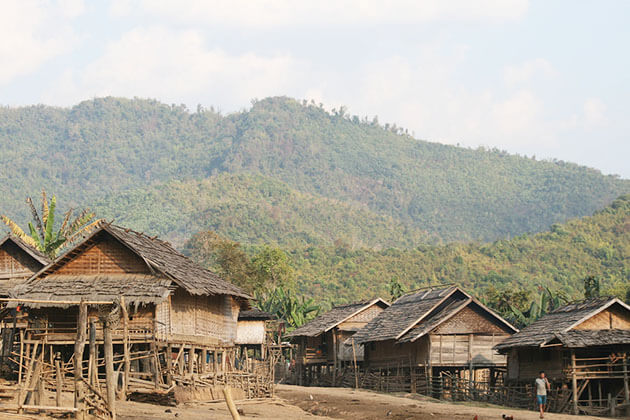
x=519, y=269
x=284, y=172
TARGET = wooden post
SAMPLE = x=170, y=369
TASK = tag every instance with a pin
x=21, y=356
x=59, y=379
x=126, y=357
x=93, y=356
x=230, y=403
x=334, y=349
x=204, y=361
x=626, y=389
x=169, y=364
x=574, y=383
x=356, y=371
x=79, y=345
x=109, y=368
x=191, y=360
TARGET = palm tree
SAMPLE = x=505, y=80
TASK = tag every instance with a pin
x=41, y=229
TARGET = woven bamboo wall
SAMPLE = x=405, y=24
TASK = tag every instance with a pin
x=459, y=349
x=470, y=320
x=15, y=263
x=207, y=316
x=613, y=317
x=391, y=354
x=107, y=256
x=250, y=332
x=359, y=320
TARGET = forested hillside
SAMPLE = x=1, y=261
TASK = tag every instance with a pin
x=560, y=259
x=132, y=156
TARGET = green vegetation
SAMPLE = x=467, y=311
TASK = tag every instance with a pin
x=548, y=267
x=274, y=166
x=42, y=234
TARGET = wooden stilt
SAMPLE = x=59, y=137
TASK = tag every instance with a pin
x=93, y=356
x=191, y=360
x=574, y=383
x=204, y=360
x=169, y=364
x=59, y=378
x=79, y=393
x=127, y=362
x=110, y=380
x=626, y=389
x=334, y=349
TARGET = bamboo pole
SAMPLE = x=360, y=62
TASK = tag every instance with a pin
x=79, y=393
x=574, y=383
x=126, y=357
x=230, y=403
x=356, y=371
x=59, y=379
x=109, y=368
x=169, y=364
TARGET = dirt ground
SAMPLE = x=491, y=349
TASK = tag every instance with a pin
x=295, y=402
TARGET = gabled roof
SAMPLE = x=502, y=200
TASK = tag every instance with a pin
x=588, y=338
x=334, y=317
x=163, y=261
x=34, y=253
x=416, y=314
x=558, y=321
x=255, y=314
x=404, y=313
x=137, y=289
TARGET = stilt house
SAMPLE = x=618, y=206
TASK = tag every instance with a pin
x=255, y=331
x=320, y=342
x=433, y=330
x=18, y=262
x=172, y=306
x=582, y=347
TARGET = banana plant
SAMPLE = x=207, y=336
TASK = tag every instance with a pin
x=296, y=311
x=542, y=304
x=42, y=235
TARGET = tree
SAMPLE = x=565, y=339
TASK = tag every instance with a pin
x=591, y=287
x=396, y=289
x=296, y=311
x=224, y=256
x=272, y=269
x=42, y=235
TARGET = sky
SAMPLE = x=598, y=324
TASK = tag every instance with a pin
x=549, y=79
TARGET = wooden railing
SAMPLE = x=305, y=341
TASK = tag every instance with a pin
x=611, y=367
x=139, y=330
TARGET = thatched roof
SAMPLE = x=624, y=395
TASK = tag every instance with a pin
x=416, y=314
x=34, y=253
x=591, y=338
x=169, y=269
x=255, y=314
x=137, y=288
x=558, y=321
x=334, y=317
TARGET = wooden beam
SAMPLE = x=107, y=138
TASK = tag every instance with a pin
x=127, y=369
x=110, y=379
x=574, y=383
x=79, y=345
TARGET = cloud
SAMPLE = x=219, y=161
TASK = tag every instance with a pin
x=272, y=13
x=176, y=66
x=526, y=71
x=594, y=112
x=33, y=32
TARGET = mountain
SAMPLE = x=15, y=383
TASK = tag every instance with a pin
x=561, y=258
x=253, y=209
x=129, y=156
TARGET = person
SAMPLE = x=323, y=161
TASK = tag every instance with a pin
x=542, y=385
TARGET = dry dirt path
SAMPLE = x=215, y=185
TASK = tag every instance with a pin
x=345, y=403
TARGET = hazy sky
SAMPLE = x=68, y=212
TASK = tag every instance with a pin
x=544, y=78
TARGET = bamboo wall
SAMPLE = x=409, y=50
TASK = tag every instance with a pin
x=526, y=364
x=250, y=332
x=212, y=317
x=613, y=317
x=15, y=263
x=391, y=354
x=106, y=256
